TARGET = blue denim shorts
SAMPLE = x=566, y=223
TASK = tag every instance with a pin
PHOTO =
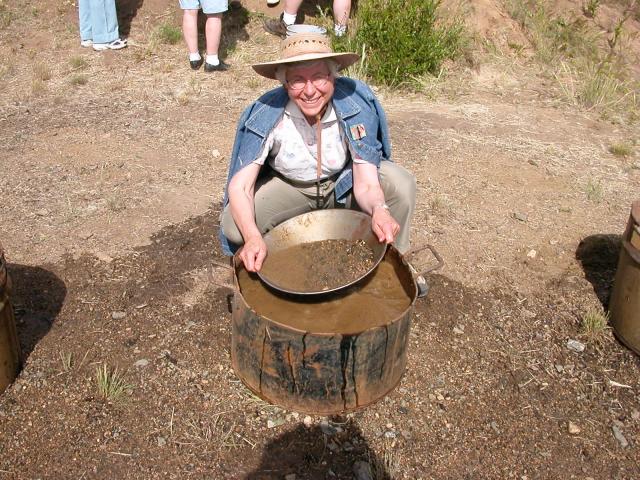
x=208, y=6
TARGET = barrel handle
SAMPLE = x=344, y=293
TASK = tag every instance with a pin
x=439, y=261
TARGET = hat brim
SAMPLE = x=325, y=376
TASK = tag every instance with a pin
x=343, y=60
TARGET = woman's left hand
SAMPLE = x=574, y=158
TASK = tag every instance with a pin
x=384, y=225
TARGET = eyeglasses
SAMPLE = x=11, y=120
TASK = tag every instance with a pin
x=299, y=83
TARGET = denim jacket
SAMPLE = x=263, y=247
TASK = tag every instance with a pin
x=360, y=115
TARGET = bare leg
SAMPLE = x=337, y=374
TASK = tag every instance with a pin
x=213, y=31
x=292, y=6
x=341, y=11
x=190, y=30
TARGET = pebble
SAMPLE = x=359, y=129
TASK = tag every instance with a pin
x=575, y=345
x=362, y=470
x=215, y=153
x=85, y=235
x=329, y=429
x=458, y=331
x=532, y=254
x=617, y=433
x=390, y=434
x=573, y=428
x=161, y=441
x=143, y=362
x=522, y=217
x=43, y=212
x=307, y=421
x=118, y=315
x=271, y=423
x=559, y=368
x=494, y=426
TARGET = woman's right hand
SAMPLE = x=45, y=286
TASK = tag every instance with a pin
x=253, y=253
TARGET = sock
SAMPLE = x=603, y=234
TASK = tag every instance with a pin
x=194, y=56
x=213, y=59
x=339, y=30
x=289, y=18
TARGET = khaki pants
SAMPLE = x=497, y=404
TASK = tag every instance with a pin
x=277, y=200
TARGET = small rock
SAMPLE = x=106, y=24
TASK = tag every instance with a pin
x=362, y=470
x=619, y=436
x=439, y=397
x=575, y=345
x=573, y=428
x=103, y=257
x=494, y=427
x=291, y=476
x=85, y=235
x=43, y=212
x=521, y=217
x=533, y=162
x=161, y=441
x=403, y=410
x=307, y=421
x=458, y=331
x=118, y=315
x=143, y=362
x=559, y=368
x=390, y=434
x=532, y=253
x=215, y=153
x=276, y=422
x=327, y=428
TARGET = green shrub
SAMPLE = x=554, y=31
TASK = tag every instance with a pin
x=402, y=39
x=168, y=34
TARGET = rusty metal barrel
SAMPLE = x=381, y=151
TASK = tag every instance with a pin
x=9, y=346
x=624, y=305
x=328, y=355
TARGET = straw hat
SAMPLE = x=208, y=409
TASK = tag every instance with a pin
x=301, y=47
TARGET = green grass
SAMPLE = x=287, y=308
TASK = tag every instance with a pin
x=401, y=39
x=621, y=149
x=111, y=384
x=78, y=63
x=590, y=8
x=167, y=34
x=594, y=322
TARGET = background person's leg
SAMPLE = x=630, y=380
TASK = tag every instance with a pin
x=104, y=21
x=84, y=14
x=341, y=11
x=190, y=30
x=275, y=201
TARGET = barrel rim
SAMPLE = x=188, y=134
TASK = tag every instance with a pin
x=406, y=311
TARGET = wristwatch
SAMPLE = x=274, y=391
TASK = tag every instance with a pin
x=380, y=205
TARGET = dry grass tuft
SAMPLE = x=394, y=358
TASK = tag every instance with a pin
x=594, y=191
x=38, y=87
x=78, y=79
x=41, y=72
x=78, y=63
x=621, y=149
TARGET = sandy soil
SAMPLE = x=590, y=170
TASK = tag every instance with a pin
x=110, y=196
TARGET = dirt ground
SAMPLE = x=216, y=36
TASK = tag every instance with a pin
x=113, y=168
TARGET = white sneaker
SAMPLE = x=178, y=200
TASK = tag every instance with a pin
x=271, y=3
x=117, y=44
x=86, y=43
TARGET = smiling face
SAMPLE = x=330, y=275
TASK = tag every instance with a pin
x=311, y=87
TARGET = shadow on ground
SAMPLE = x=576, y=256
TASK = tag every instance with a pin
x=127, y=11
x=598, y=255
x=37, y=297
x=330, y=450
